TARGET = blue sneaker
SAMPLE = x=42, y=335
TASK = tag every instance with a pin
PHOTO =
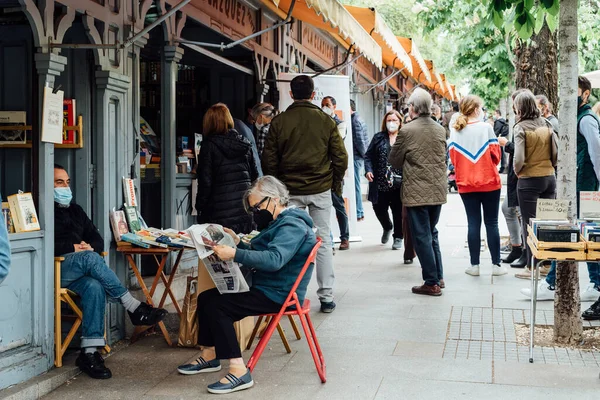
x=233, y=385
x=327, y=307
x=201, y=367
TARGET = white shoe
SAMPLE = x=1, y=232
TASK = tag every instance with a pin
x=590, y=293
x=473, y=270
x=498, y=270
x=544, y=292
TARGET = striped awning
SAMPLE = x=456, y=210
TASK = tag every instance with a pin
x=420, y=71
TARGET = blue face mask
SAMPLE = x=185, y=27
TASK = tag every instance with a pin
x=63, y=195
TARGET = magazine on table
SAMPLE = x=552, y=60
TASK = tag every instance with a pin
x=225, y=274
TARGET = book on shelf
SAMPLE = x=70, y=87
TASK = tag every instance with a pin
x=12, y=118
x=23, y=212
x=118, y=222
x=132, y=218
x=10, y=226
x=129, y=192
x=135, y=240
x=68, y=120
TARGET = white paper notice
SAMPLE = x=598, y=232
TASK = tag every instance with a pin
x=549, y=209
x=589, y=205
x=52, y=116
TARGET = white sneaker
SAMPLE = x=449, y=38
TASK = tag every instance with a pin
x=498, y=270
x=544, y=292
x=590, y=293
x=473, y=270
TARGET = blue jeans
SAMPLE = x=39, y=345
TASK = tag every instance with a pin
x=423, y=221
x=490, y=202
x=342, y=216
x=593, y=271
x=87, y=274
x=358, y=169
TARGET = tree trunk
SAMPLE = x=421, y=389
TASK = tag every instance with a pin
x=536, y=64
x=567, y=322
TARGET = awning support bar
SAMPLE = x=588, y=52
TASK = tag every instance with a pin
x=222, y=46
x=384, y=80
x=147, y=29
x=342, y=64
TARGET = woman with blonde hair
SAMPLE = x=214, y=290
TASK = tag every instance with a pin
x=384, y=185
x=226, y=170
x=475, y=154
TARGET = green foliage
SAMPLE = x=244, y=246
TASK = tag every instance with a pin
x=528, y=15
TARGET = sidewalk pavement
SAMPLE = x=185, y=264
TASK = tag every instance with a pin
x=382, y=341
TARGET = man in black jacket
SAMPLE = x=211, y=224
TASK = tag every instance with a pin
x=501, y=130
x=360, y=144
x=84, y=272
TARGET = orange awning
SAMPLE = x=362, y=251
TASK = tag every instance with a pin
x=394, y=54
x=420, y=71
x=331, y=16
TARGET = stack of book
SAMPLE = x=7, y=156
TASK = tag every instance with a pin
x=590, y=230
x=556, y=231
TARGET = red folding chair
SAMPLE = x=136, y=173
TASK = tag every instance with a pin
x=303, y=312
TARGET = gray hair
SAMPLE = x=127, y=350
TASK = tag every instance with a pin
x=268, y=186
x=543, y=100
x=421, y=101
x=262, y=108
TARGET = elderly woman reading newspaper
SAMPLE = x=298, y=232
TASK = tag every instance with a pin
x=276, y=256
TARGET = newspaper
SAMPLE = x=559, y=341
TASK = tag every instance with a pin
x=225, y=274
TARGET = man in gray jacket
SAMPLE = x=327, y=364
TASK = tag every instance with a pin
x=420, y=152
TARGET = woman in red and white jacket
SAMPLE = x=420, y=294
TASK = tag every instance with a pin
x=475, y=154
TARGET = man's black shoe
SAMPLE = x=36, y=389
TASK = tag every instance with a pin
x=592, y=313
x=521, y=262
x=93, y=365
x=146, y=315
x=514, y=255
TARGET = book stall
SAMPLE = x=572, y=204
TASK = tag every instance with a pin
x=552, y=237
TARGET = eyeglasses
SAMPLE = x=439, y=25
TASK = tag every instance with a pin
x=256, y=207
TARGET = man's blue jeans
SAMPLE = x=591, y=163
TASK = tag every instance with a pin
x=593, y=271
x=358, y=170
x=87, y=274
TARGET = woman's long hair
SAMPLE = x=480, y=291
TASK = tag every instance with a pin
x=526, y=107
x=468, y=106
x=387, y=114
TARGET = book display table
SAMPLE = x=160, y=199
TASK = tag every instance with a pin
x=160, y=255
x=550, y=251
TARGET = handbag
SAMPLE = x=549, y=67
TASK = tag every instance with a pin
x=188, y=325
x=393, y=179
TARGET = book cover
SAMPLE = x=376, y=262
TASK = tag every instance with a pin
x=134, y=239
x=153, y=242
x=52, y=116
x=118, y=222
x=10, y=227
x=68, y=120
x=129, y=192
x=23, y=212
x=132, y=218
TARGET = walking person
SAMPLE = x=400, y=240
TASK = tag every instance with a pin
x=329, y=105
x=420, y=152
x=385, y=183
x=475, y=154
x=501, y=130
x=360, y=143
x=226, y=170
x=535, y=155
x=306, y=152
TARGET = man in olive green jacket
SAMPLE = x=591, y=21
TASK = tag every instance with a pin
x=305, y=151
x=420, y=152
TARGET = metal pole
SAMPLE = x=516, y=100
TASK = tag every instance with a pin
x=224, y=46
x=384, y=81
x=83, y=46
x=147, y=29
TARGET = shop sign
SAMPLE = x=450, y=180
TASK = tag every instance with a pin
x=315, y=43
x=232, y=13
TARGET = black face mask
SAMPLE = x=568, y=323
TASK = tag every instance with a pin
x=262, y=217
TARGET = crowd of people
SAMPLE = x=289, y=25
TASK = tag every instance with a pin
x=283, y=175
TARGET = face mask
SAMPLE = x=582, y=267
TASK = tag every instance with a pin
x=328, y=111
x=63, y=195
x=392, y=126
x=481, y=115
x=263, y=218
x=259, y=126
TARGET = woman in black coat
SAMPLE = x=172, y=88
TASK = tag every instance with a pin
x=382, y=194
x=226, y=170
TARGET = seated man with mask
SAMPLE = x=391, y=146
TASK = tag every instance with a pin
x=276, y=256
x=84, y=272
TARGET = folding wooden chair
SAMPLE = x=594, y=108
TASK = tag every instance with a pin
x=303, y=313
x=67, y=296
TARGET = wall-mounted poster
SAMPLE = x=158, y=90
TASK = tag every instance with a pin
x=52, y=116
x=10, y=121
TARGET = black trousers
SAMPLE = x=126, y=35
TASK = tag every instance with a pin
x=423, y=221
x=217, y=313
x=529, y=191
x=385, y=201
